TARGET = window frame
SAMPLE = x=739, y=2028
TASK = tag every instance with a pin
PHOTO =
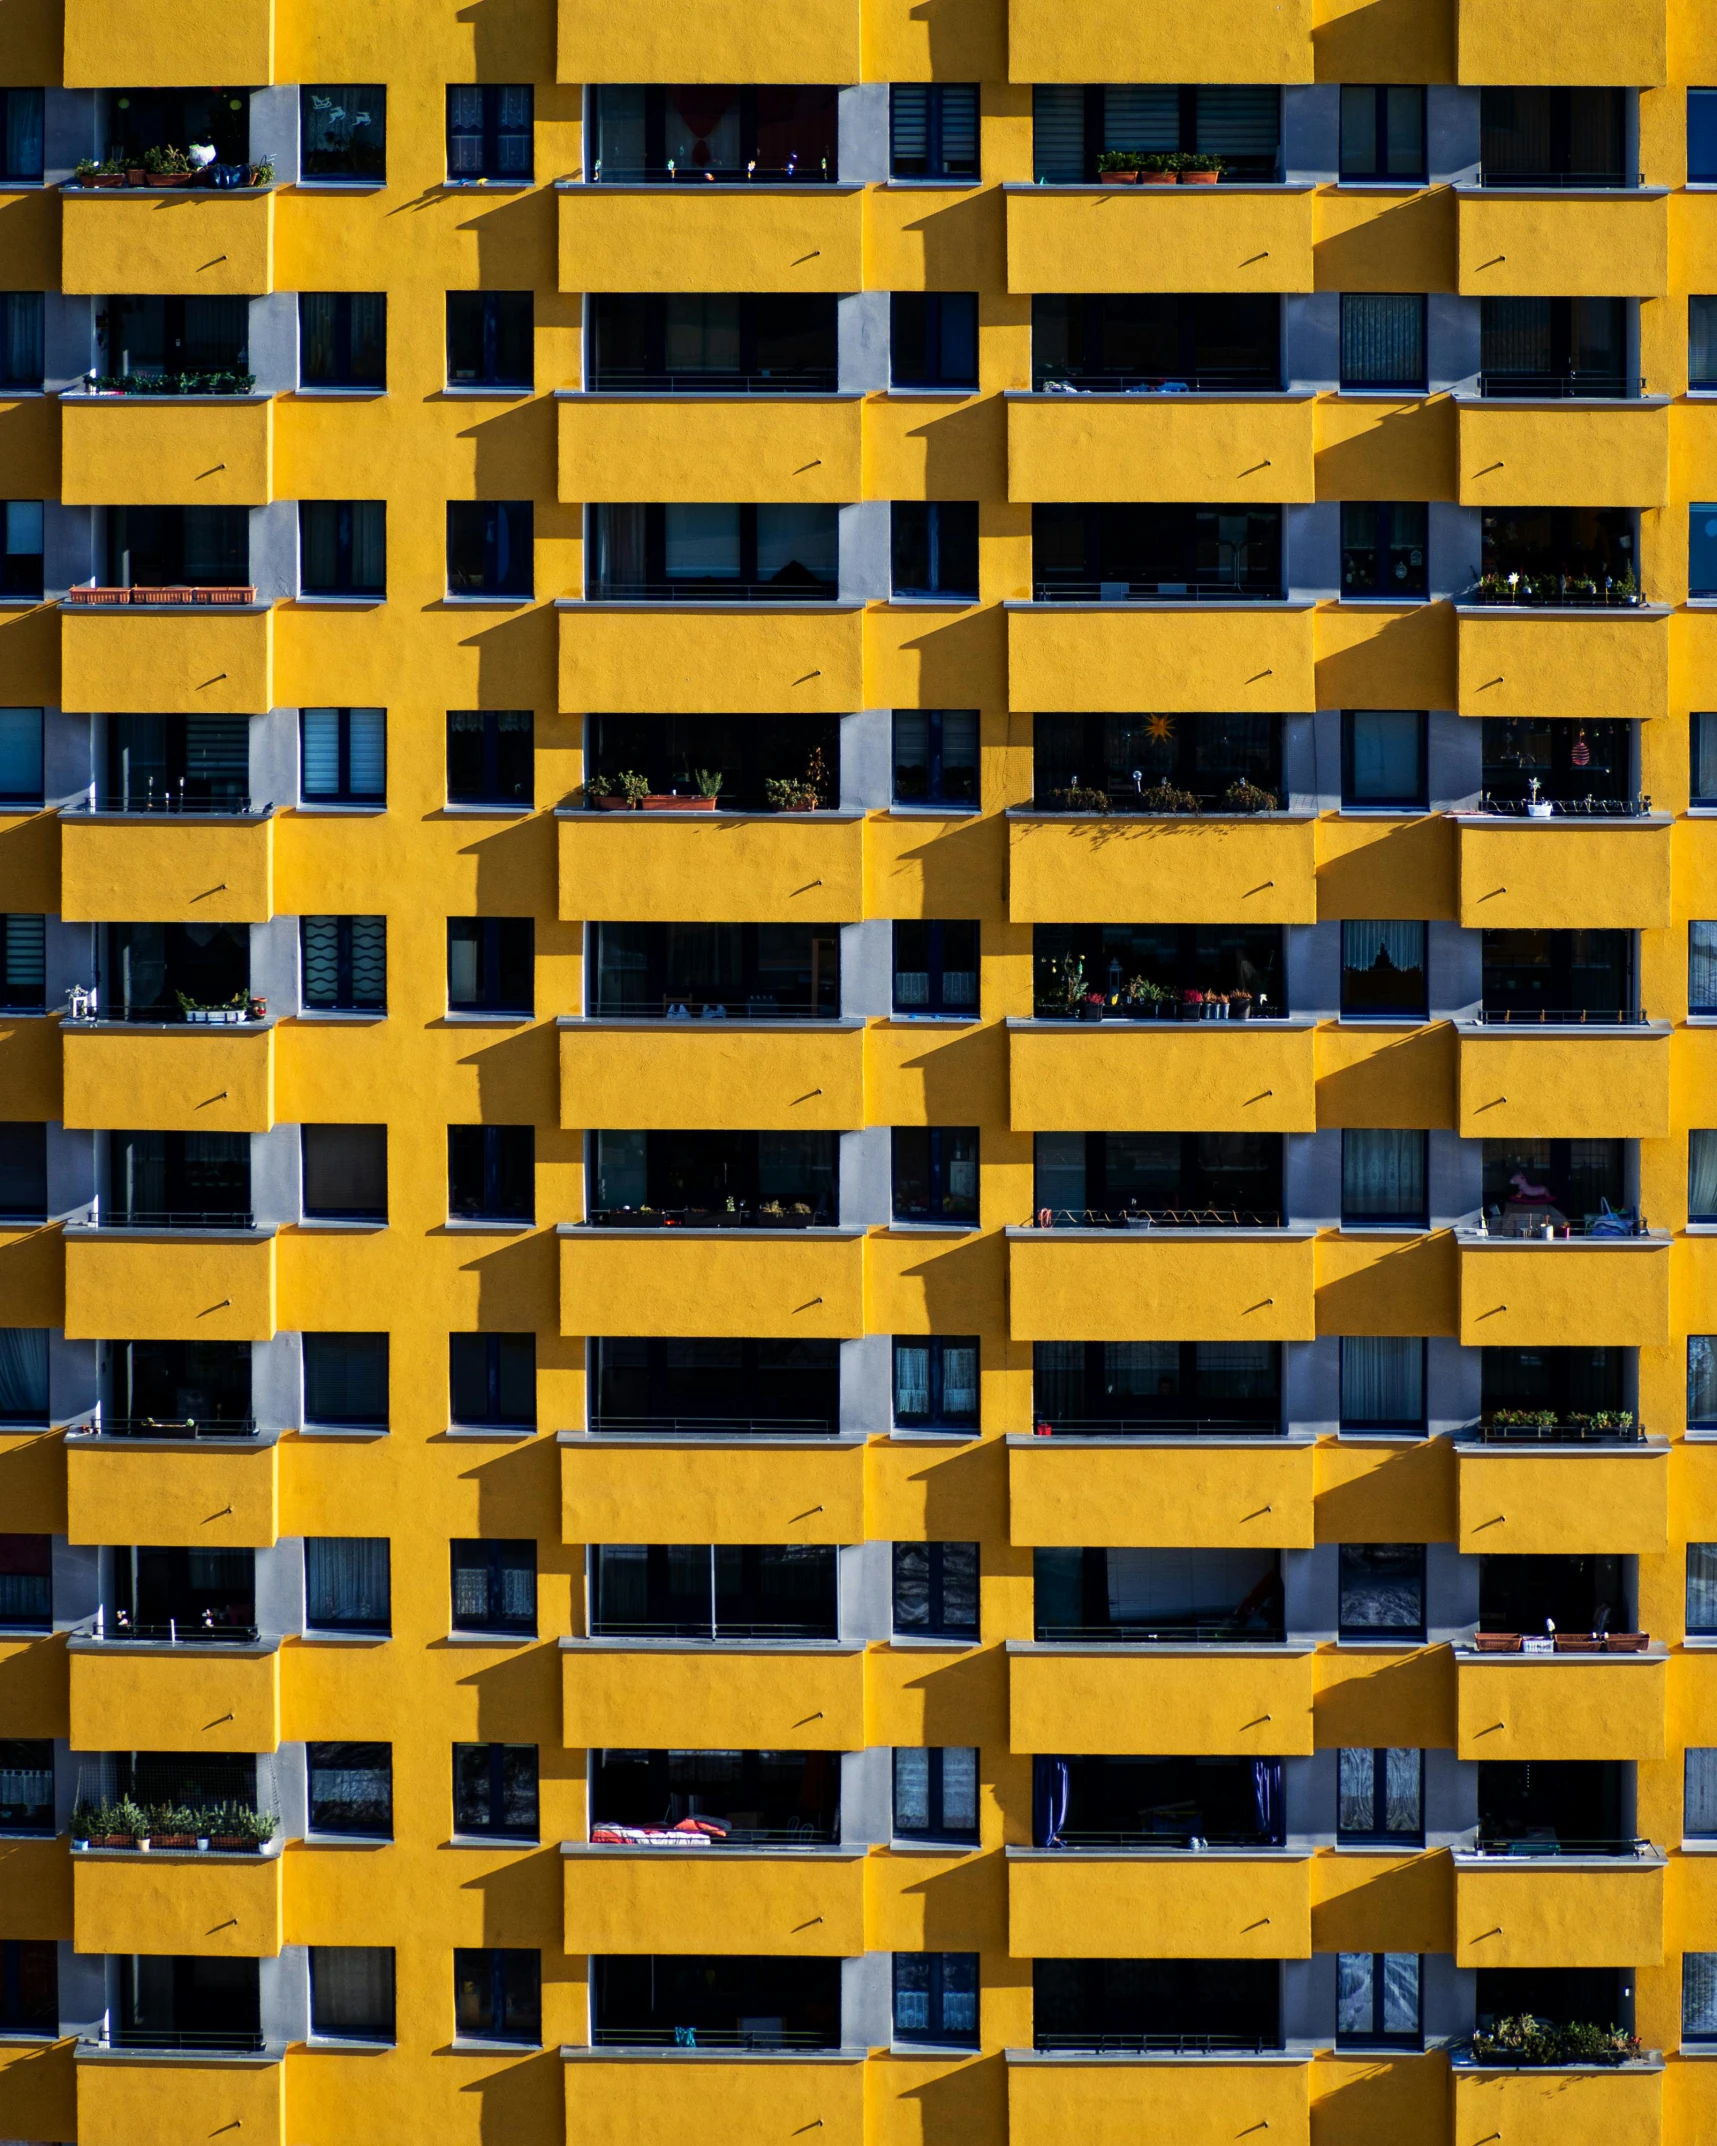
x=499, y=1959
x=349, y=1211
x=936, y=795
x=1387, y=1427
x=34, y=382
x=1398, y=1015
x=26, y=800
x=936, y=1587
x=517, y=518
x=23, y=583
x=379, y=2037
x=344, y=792
x=1420, y=1218
x=1381, y=139
x=492, y=1346
x=501, y=1555
x=42, y=1750
x=23, y=947
x=937, y=2034
x=372, y=1627
x=1380, y=1634
x=1378, y=2036
x=936, y=169
x=936, y=1827
x=485, y=933
x=1354, y=386
x=488, y=307
x=1384, y=590
x=936, y=538
x=937, y=375
x=323, y=1753
x=15, y=2024
x=937, y=968
x=41, y=1620
x=346, y=999
x=488, y=795
x=495, y=1768
x=344, y=588
x=346, y=380
x=494, y=1166
x=22, y=177
x=348, y=1419
x=1379, y=1833
x=1707, y=1583
x=490, y=134
x=937, y=1165
x=354, y=177
x=938, y=1417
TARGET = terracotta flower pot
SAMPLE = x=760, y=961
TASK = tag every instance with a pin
x=1158, y=178
x=666, y=802
x=1119, y=178
x=107, y=178
x=613, y=804
x=170, y=178
x=1199, y=178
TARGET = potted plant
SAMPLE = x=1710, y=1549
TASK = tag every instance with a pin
x=624, y=792
x=708, y=781
x=174, y=1826
x=1192, y=1005
x=167, y=167
x=1072, y=982
x=1079, y=797
x=1158, y=169
x=1165, y=797
x=800, y=793
x=1240, y=1005
x=1118, y=167
x=1496, y=1642
x=1200, y=170
x=1091, y=1006
x=1244, y=796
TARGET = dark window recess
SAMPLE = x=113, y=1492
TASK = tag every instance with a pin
x=933, y=130
x=151, y=968
x=1701, y=1596
x=178, y=1180
x=1580, y=1801
x=26, y=1785
x=710, y=1384
x=698, y=132
x=1204, y=342
x=715, y=2001
x=343, y=547
x=21, y=559
x=490, y=965
x=345, y=1173
x=1074, y=124
x=343, y=339
x=1559, y=555
x=935, y=1171
x=1552, y=137
x=23, y=1172
x=1382, y=1382
x=1578, y=1379
x=490, y=342
x=1107, y=1389
x=20, y=756
x=345, y=964
x=492, y=1380
x=343, y=131
x=21, y=345
x=936, y=1998
x=180, y=345
x=935, y=1380
x=780, y=1796
x=1146, y=1595
x=753, y=972
x=1528, y=1183
x=1112, y=1802
x=936, y=968
x=179, y=2001
x=1382, y=131
x=1702, y=549
x=489, y=547
x=21, y=135
x=1110, y=1180
x=1382, y=1590
x=347, y=1585
x=1120, y=553
x=200, y=1595
x=720, y=1591
x=1576, y=1594
x=1585, y=764
x=489, y=131
x=491, y=1173
x=1132, y=759
x=935, y=549
x=936, y=1589
x=1143, y=2005
x=705, y=342
x=491, y=757
x=351, y=1992
x=715, y=1180
x=1383, y=1180
x=936, y=1791
x=495, y=1790
x=1383, y=971
x=497, y=1995
x=24, y=1374
x=494, y=1585
x=343, y=756
x=933, y=339
x=1702, y=136
x=936, y=756
x=140, y=119
x=1554, y=346
x=1380, y=1795
x=346, y=1380
x=23, y=963
x=699, y=551
x=1384, y=549
x=1383, y=340
x=29, y=1986
x=176, y=763
x=163, y=1387
x=1383, y=760
x=1536, y=975
x=1701, y=337
x=1175, y=958
x=26, y=1582
x=1702, y=1380
x=1377, y=2000
x=743, y=752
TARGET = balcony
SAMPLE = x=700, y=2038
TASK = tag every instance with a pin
x=1160, y=1284
x=1095, y=1903
x=1222, y=1700
x=1621, y=2106
x=168, y=450
x=702, y=1486
x=1559, y=1706
x=715, y=660
x=1210, y=1490
x=1565, y=872
x=785, y=1284
x=1203, y=1076
x=218, y=40
x=170, y=1284
x=695, y=868
x=126, y=2097
x=715, y=1899
x=1530, y=1294
x=1539, y=41
x=1254, y=448
x=1563, y=1081
x=1563, y=453
x=1552, y=242
x=1562, y=1499
x=1244, y=657
x=167, y=658
x=653, y=1695
x=153, y=1695
x=1589, y=665
x=1157, y=238
x=216, y=1906
x=645, y=2095
x=779, y=43
x=203, y=1491
x=735, y=446
x=168, y=243
x=1257, y=869
x=1553, y=1909
x=708, y=238
x=173, y=1078
x=167, y=867
x=774, y=1075
x=1198, y=2101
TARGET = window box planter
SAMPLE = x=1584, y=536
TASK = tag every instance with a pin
x=1496, y=1642
x=668, y=802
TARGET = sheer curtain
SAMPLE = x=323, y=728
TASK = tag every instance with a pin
x=23, y=1374
x=1382, y=341
x=1382, y=1381
x=1699, y=1812
x=1702, y=968
x=1702, y=1378
x=1402, y=946
x=346, y=1580
x=1699, y=1996
x=1702, y=1177
x=1383, y=1176
x=351, y=1990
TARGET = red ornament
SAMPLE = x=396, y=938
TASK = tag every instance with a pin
x=1581, y=754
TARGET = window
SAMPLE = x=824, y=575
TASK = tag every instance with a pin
x=936, y=756
x=933, y=339
x=29, y=1986
x=21, y=136
x=936, y=1792
x=346, y=1586
x=933, y=130
x=343, y=131
x=1702, y=1589
x=1383, y=341
x=936, y=1998
x=699, y=132
x=1383, y=971
x=1702, y=137
x=346, y=1381
x=345, y=964
x=1383, y=1180
x=345, y=1173
x=490, y=965
x=1073, y=123
x=342, y=339
x=497, y=1996
x=489, y=547
x=1381, y=1795
x=23, y=964
x=26, y=1785
x=21, y=343
x=20, y=756
x=23, y=1172
x=1702, y=1177
x=935, y=549
x=23, y=1374
x=343, y=547
x=351, y=1992
x=707, y=550
x=1702, y=1381
x=1382, y=1590
x=491, y=1173
x=1382, y=758
x=1113, y=1388
x=1553, y=137
x=1702, y=342
x=708, y=342
x=1699, y=1996
x=1377, y=1999
x=492, y=1380
x=343, y=756
x=1384, y=549
x=1704, y=773
x=489, y=339
x=490, y=757
x=21, y=562
x=489, y=131
x=26, y=1583
x=495, y=1585
x=1382, y=131
x=1382, y=1383
x=1553, y=346
x=495, y=1790
x=351, y=1789
x=1702, y=967
x=935, y=1381
x=1699, y=1786
x=1701, y=548
x=936, y=1173
x=936, y=968
x=936, y=1589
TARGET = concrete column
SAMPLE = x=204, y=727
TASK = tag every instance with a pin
x=1311, y=339
x=1452, y=136
x=71, y=550
x=862, y=341
x=68, y=764
x=1311, y=132
x=1454, y=970
x=1308, y=1999
x=274, y=757
x=1311, y=565
x=1451, y=1800
x=69, y=132
x=864, y=552
x=73, y=1383
x=1311, y=1178
x=866, y=1375
x=1308, y=1797
x=1312, y=958
x=1310, y=1588
x=1457, y=548
x=280, y=1588
x=76, y=1582
x=866, y=1589
x=284, y=1990
x=274, y=130
x=1451, y=1592
x=274, y=965
x=274, y=342
x=867, y=760
x=861, y=133
x=867, y=968
x=1452, y=343
x=867, y=2001
x=71, y=1173
x=1311, y=1378
x=866, y=1177
x=277, y=1380
x=274, y=550
x=1454, y=748
x=867, y=1797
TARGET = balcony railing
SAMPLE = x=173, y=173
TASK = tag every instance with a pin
x=1572, y=181
x=1229, y=380
x=1565, y=808
x=1170, y=1634
x=1134, y=592
x=1506, y=1846
x=693, y=1006
x=1187, y=1006
x=1562, y=1017
x=619, y=1833
x=150, y=802
x=202, y=1630
x=1592, y=386
x=1158, y=801
x=805, y=380
x=796, y=171
x=713, y=1426
x=1145, y=1218
x=1160, y=2045
x=173, y=1218
x=708, y=1629
x=233, y=1429
x=1544, y=1427
x=801, y=1216
x=93, y=595
x=214, y=2041
x=1526, y=591
x=712, y=592
x=1075, y=1838
x=1521, y=1227
x=725, y=2038
x=1156, y=1427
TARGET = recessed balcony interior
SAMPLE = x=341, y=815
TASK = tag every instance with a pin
x=716, y=1180
x=186, y=1596
x=1560, y=1996
x=1550, y=1807
x=749, y=972
x=195, y=346
x=1163, y=1180
x=699, y=133
x=136, y=120
x=1145, y=1802
x=160, y=972
x=1110, y=1389
x=175, y=763
x=179, y=2001
x=1531, y=348
x=1581, y=770
x=1156, y=763
x=173, y=547
x=1575, y=1596
x=711, y=343
x=1585, y=977
x=1120, y=552
x=1549, y=556
x=158, y=1180
x=1204, y=342
x=1162, y=970
x=744, y=754
x=720, y=1387
x=710, y=552
x=1575, y=1392
x=216, y=1793
x=1543, y=136
x=741, y=1799
x=1133, y=1597
x=727, y=2001
x=1157, y=2007
x=1075, y=124
x=719, y=1591
x=1578, y=1186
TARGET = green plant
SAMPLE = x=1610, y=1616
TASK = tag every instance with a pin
x=1080, y=797
x=1524, y=2039
x=628, y=784
x=800, y=793
x=1197, y=160
x=167, y=163
x=1165, y=797
x=262, y=175
x=1244, y=796
x=1123, y=160
x=108, y=1820
x=1159, y=160
x=708, y=781
x=85, y=169
x=1523, y=1419
x=1143, y=992
x=174, y=1818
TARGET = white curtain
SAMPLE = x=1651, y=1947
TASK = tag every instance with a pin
x=1382, y=1380
x=346, y=1579
x=1383, y=1176
x=1702, y=968
x=351, y=1989
x=1401, y=945
x=1702, y=1586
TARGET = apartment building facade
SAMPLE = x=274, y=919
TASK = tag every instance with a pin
x=856, y=1165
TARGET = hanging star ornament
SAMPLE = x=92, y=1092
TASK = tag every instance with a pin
x=1159, y=729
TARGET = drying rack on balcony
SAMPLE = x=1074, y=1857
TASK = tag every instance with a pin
x=91, y=596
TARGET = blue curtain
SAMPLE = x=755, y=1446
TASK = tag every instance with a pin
x=1267, y=1794
x=1052, y=1783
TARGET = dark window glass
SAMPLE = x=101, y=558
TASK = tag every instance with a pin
x=1217, y=1596
x=21, y=135
x=138, y=118
x=1558, y=555
x=701, y=551
x=497, y=1996
x=489, y=339
x=1382, y=131
x=936, y=1173
x=180, y=1384
x=346, y=1380
x=1702, y=342
x=1554, y=975
x=1158, y=971
x=1119, y=553
x=1160, y=2005
x=712, y=1180
x=490, y=757
x=1380, y=1795
x=710, y=972
x=1702, y=1380
x=345, y=964
x=491, y=1173
x=1699, y=1794
x=704, y=342
x=29, y=1986
x=489, y=547
x=1383, y=1181
x=20, y=756
x=714, y=1591
x=495, y=1790
x=698, y=132
x=489, y=131
x=1702, y=1588
x=490, y=965
x=1702, y=137
x=933, y=130
x=936, y=756
x=26, y=1785
x=780, y=1796
x=715, y=2001
x=1112, y=1180
x=351, y=1992
x=344, y=130
x=343, y=756
x=1543, y=136
x=1073, y=124
x=936, y=1998
x=1384, y=549
x=1223, y=760
x=1111, y=1388
x=1383, y=340
x=21, y=558
x=494, y=1585
x=23, y=1172
x=936, y=968
x=351, y=1788
x=1206, y=341
x=23, y=963
x=176, y=763
x=1553, y=346
x=184, y=2001
x=748, y=755
x=936, y=1791
x=345, y=1173
x=936, y=1589
x=23, y=1374
x=933, y=339
x=1382, y=1590
x=202, y=1593
x=26, y=1582
x=697, y=1383
x=1702, y=966
x=1383, y=971
x=176, y=345
x=935, y=1380
x=343, y=547
x=178, y=1180
x=1702, y=549
x=21, y=344
x=342, y=339
x=347, y=1586
x=936, y=549
x=172, y=547
x=1382, y=1383
x=493, y=1379
x=1702, y=1175
x=1377, y=2000
x=1529, y=1183
x=1575, y=1380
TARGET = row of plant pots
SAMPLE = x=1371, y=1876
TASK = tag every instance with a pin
x=169, y=167
x=223, y=1829
x=1133, y=167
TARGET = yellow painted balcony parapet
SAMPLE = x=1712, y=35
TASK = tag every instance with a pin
x=1223, y=1700
x=765, y=1076
x=722, y=1695
x=1189, y=1492
x=172, y=242
x=1563, y=1500
x=1232, y=448
x=169, y=1285
x=175, y=1077
x=136, y=1695
x=1159, y=238
x=1560, y=454
x=1162, y=1076
x=1563, y=1081
x=1183, y=657
x=1560, y=1910
x=698, y=447
x=162, y=868
x=1582, y=44
x=1220, y=868
x=1118, y=1904
x=205, y=1491
x=1523, y=242
x=1159, y=1285
x=216, y=1906
x=1585, y=665
x=649, y=1485
x=169, y=659
x=710, y=238
x=132, y=2097
x=108, y=47
x=716, y=659
x=1195, y=2101
x=1521, y=1293
x=1551, y=2105
x=1104, y=41
x=1560, y=1706
x=716, y=867
x=1563, y=874
x=784, y=1284
x=736, y=42
x=167, y=450
x=801, y=1901
x=642, y=2096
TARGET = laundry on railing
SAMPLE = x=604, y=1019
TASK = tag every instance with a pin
x=689, y=1833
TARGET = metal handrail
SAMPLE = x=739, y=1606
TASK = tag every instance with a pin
x=1567, y=808
x=1166, y=1634
x=807, y=380
x=707, y=1629
x=132, y=804
x=216, y=2040
x=1565, y=1432
x=711, y=2038
x=185, y=1427
x=207, y=1218
x=704, y=1218
x=1234, y=379
x=1594, y=386
x=1148, y=1218
x=1075, y=1837
x=1611, y=181
x=1179, y=592
x=1562, y=1016
x=742, y=1426
x=1511, y=1845
x=751, y=174
x=714, y=591
x=1160, y=2044
x=1148, y=1426
x=176, y=1632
